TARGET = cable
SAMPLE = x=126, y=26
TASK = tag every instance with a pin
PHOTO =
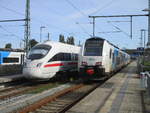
x=58, y=28
x=12, y=25
x=34, y=19
x=106, y=5
x=12, y=10
x=83, y=29
x=9, y=32
x=120, y=29
x=70, y=3
x=82, y=13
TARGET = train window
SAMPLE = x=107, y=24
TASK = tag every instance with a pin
x=10, y=60
x=113, y=58
x=57, y=57
x=76, y=57
x=61, y=57
x=73, y=57
x=38, y=52
x=93, y=48
x=67, y=56
x=110, y=53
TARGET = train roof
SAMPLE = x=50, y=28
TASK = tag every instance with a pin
x=11, y=50
x=57, y=43
x=95, y=38
x=99, y=38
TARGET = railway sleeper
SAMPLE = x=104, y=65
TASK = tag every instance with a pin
x=50, y=109
x=56, y=103
x=62, y=100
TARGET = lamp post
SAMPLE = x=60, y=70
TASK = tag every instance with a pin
x=143, y=35
x=148, y=9
x=41, y=32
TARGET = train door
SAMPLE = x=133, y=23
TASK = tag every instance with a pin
x=115, y=55
x=22, y=59
x=0, y=59
x=110, y=60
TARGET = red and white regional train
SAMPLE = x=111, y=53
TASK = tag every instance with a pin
x=45, y=60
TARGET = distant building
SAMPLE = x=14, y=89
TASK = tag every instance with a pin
x=10, y=49
x=134, y=53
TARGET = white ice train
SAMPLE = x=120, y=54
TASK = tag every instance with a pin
x=100, y=56
x=45, y=60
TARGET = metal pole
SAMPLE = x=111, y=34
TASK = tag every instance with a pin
x=144, y=38
x=93, y=26
x=48, y=36
x=27, y=26
x=131, y=27
x=141, y=43
x=111, y=16
x=40, y=34
x=148, y=43
x=144, y=31
x=13, y=20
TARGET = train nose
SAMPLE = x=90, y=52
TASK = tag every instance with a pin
x=31, y=73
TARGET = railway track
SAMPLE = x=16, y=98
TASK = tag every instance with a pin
x=10, y=92
x=61, y=101
x=13, y=96
x=16, y=99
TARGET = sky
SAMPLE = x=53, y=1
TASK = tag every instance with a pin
x=71, y=18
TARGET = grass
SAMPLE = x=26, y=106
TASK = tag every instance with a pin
x=146, y=66
x=146, y=63
x=43, y=88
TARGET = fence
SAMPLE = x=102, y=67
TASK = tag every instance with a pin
x=145, y=80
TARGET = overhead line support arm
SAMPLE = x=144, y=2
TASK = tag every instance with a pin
x=13, y=20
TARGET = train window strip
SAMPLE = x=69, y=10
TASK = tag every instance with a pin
x=10, y=60
x=64, y=57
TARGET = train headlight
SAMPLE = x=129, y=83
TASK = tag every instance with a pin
x=98, y=63
x=84, y=63
x=39, y=65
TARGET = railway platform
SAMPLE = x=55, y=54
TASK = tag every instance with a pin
x=4, y=79
x=122, y=93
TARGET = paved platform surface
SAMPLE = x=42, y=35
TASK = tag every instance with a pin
x=120, y=94
x=10, y=78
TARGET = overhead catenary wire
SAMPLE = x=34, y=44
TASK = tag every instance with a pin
x=81, y=12
x=103, y=7
x=76, y=8
x=9, y=32
x=12, y=10
x=16, y=12
x=53, y=26
x=119, y=29
x=83, y=29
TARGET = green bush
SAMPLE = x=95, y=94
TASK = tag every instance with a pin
x=146, y=63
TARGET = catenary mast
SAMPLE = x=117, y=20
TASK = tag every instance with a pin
x=27, y=26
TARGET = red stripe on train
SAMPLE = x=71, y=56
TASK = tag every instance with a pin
x=54, y=65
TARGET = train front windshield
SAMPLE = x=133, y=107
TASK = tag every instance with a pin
x=38, y=52
x=93, y=48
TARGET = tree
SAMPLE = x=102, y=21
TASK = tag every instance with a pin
x=70, y=40
x=32, y=42
x=8, y=45
x=61, y=38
